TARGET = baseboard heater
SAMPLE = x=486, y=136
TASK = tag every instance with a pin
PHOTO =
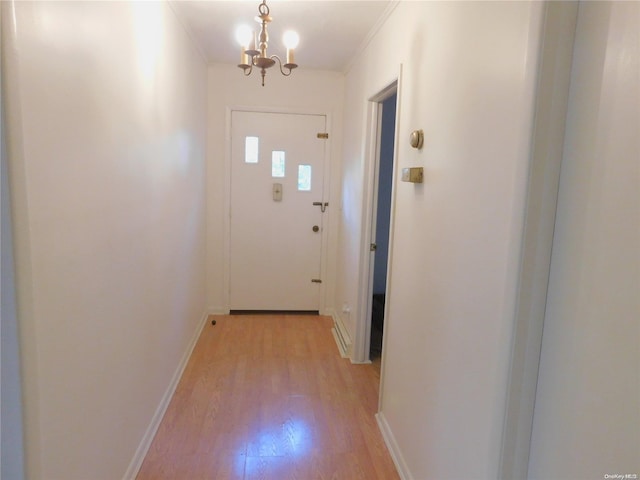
x=274, y=312
x=341, y=337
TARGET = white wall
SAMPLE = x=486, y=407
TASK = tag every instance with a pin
x=11, y=433
x=106, y=138
x=314, y=91
x=587, y=406
x=468, y=80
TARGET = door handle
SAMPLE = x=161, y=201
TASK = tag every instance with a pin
x=316, y=228
x=323, y=206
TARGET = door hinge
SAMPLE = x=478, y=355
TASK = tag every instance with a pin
x=316, y=280
x=323, y=135
x=373, y=247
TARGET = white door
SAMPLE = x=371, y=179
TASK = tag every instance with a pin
x=277, y=174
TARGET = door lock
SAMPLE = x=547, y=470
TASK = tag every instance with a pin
x=316, y=228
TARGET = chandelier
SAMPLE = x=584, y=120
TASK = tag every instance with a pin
x=253, y=51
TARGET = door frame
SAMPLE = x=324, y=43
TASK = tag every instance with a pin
x=362, y=337
x=227, y=197
x=554, y=71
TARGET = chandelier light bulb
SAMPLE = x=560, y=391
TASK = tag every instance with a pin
x=244, y=36
x=290, y=39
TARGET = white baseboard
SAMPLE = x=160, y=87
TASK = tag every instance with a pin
x=328, y=312
x=341, y=336
x=218, y=311
x=143, y=448
x=392, y=446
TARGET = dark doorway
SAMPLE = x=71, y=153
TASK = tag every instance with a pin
x=383, y=218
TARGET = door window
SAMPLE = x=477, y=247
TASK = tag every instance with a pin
x=277, y=163
x=304, y=178
x=251, y=150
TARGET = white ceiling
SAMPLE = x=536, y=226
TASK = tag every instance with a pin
x=331, y=31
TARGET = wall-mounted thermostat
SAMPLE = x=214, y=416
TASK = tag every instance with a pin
x=413, y=175
x=416, y=139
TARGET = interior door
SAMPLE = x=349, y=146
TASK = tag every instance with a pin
x=277, y=174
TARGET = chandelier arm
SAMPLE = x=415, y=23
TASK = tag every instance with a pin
x=280, y=65
x=256, y=55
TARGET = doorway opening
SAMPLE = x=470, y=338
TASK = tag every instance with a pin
x=379, y=175
x=382, y=221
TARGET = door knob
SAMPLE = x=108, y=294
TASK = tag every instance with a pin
x=316, y=228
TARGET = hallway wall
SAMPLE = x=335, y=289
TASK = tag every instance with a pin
x=469, y=72
x=106, y=140
x=11, y=432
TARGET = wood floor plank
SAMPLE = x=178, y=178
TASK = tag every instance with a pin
x=269, y=397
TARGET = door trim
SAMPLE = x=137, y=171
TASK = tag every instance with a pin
x=361, y=343
x=553, y=64
x=324, y=286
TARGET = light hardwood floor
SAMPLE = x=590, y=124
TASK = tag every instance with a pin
x=269, y=397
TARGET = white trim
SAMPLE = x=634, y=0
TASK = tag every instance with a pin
x=147, y=438
x=392, y=222
x=327, y=215
x=392, y=446
x=186, y=26
x=363, y=318
x=326, y=197
x=552, y=60
x=341, y=336
x=328, y=312
x=291, y=110
x=218, y=311
x=365, y=278
x=372, y=33
x=226, y=224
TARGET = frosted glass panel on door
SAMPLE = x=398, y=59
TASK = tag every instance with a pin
x=304, y=178
x=251, y=150
x=277, y=163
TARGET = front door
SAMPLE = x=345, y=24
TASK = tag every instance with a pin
x=277, y=174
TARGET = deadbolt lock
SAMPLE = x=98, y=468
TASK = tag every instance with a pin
x=316, y=228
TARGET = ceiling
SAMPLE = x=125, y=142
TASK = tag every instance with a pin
x=331, y=31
